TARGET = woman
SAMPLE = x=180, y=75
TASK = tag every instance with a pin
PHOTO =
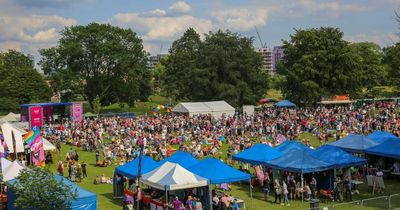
x=177, y=204
x=285, y=194
x=292, y=188
x=278, y=191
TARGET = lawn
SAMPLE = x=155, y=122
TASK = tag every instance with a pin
x=106, y=201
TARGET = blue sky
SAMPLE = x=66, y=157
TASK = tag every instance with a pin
x=29, y=25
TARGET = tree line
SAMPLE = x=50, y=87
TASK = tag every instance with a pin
x=105, y=64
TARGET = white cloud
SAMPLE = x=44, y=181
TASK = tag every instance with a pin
x=4, y=46
x=154, y=13
x=383, y=39
x=180, y=7
x=240, y=19
x=161, y=28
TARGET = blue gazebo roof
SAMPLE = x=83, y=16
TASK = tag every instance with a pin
x=258, y=154
x=354, y=143
x=130, y=169
x=381, y=136
x=390, y=148
x=337, y=156
x=285, y=103
x=184, y=159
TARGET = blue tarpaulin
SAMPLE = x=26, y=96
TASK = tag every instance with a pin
x=184, y=159
x=218, y=172
x=337, y=156
x=381, y=136
x=285, y=103
x=390, y=148
x=299, y=161
x=130, y=169
x=85, y=201
x=354, y=143
x=257, y=154
x=289, y=145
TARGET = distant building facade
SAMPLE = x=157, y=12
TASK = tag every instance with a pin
x=277, y=56
x=266, y=54
x=154, y=60
x=271, y=58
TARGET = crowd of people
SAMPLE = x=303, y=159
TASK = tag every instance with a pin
x=116, y=139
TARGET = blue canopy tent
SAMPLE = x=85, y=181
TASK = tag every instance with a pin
x=257, y=154
x=85, y=201
x=381, y=136
x=184, y=159
x=218, y=172
x=289, y=145
x=390, y=148
x=130, y=169
x=337, y=157
x=285, y=103
x=299, y=161
x=354, y=143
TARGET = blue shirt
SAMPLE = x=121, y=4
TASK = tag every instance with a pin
x=235, y=206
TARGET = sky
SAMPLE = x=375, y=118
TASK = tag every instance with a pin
x=30, y=25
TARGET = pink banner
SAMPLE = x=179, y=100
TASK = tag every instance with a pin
x=48, y=113
x=36, y=116
x=77, y=112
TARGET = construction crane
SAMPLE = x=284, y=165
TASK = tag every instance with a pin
x=263, y=45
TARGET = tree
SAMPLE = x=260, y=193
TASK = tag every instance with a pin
x=158, y=75
x=392, y=60
x=179, y=65
x=39, y=188
x=318, y=62
x=222, y=67
x=20, y=83
x=99, y=60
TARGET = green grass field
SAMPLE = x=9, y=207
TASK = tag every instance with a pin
x=106, y=201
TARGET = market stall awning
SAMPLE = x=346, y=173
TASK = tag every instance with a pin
x=337, y=157
x=258, y=154
x=285, y=103
x=172, y=176
x=390, y=148
x=354, y=143
x=288, y=145
x=131, y=168
x=184, y=159
x=381, y=136
x=218, y=172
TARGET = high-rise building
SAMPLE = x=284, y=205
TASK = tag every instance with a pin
x=277, y=56
x=154, y=60
x=267, y=59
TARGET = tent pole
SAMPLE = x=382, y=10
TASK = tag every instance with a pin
x=251, y=195
x=166, y=199
x=302, y=189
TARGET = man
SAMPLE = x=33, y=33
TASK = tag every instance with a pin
x=84, y=169
x=177, y=204
x=313, y=187
x=97, y=156
x=235, y=206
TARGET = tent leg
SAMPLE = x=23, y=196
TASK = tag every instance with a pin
x=251, y=195
x=166, y=199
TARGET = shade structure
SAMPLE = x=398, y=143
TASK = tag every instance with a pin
x=285, y=103
x=390, y=148
x=48, y=146
x=354, y=143
x=131, y=168
x=184, y=159
x=172, y=176
x=289, y=145
x=5, y=163
x=11, y=132
x=11, y=117
x=258, y=154
x=299, y=161
x=381, y=136
x=85, y=200
x=12, y=171
x=215, y=108
x=338, y=157
x=218, y=172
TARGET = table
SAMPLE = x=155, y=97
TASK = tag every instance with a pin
x=395, y=173
x=156, y=205
x=355, y=182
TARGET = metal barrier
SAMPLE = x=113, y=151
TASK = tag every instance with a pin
x=381, y=202
x=393, y=202
x=345, y=206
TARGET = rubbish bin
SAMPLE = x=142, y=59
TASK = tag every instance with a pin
x=314, y=204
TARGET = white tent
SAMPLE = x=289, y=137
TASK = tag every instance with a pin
x=172, y=176
x=5, y=163
x=47, y=145
x=12, y=171
x=8, y=129
x=11, y=117
x=215, y=108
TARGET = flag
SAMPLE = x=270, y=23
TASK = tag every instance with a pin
x=35, y=142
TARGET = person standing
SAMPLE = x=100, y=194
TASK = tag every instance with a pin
x=266, y=186
x=97, y=156
x=188, y=205
x=347, y=186
x=84, y=174
x=60, y=168
x=177, y=204
x=285, y=194
x=313, y=187
x=139, y=198
x=278, y=191
x=235, y=206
